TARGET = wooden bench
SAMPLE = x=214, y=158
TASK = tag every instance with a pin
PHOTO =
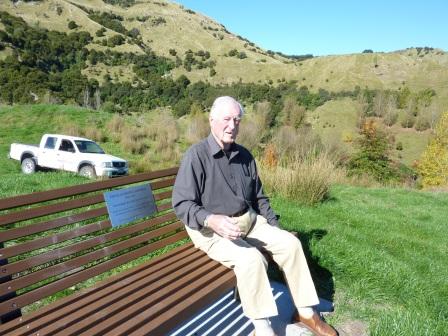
x=55, y=242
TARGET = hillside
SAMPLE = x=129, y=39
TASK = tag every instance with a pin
x=148, y=54
x=165, y=26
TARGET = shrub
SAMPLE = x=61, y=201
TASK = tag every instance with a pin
x=295, y=144
x=242, y=55
x=390, y=118
x=422, y=124
x=307, y=181
x=72, y=25
x=372, y=156
x=162, y=129
x=197, y=127
x=95, y=134
x=433, y=164
x=292, y=113
x=233, y=52
x=270, y=157
x=115, y=41
x=114, y=127
x=408, y=121
x=100, y=32
x=132, y=141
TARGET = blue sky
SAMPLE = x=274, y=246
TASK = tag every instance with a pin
x=325, y=27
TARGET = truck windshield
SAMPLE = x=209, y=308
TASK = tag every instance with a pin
x=88, y=147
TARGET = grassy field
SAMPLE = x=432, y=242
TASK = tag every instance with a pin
x=380, y=255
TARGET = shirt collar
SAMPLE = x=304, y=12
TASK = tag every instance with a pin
x=215, y=148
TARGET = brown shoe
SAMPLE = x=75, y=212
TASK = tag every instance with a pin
x=315, y=324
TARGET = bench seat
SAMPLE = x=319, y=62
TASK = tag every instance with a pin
x=150, y=299
x=55, y=242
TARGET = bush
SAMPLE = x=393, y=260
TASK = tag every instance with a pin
x=433, y=164
x=422, y=124
x=94, y=133
x=115, y=41
x=197, y=128
x=307, y=182
x=372, y=156
x=100, y=32
x=114, y=127
x=252, y=130
x=72, y=25
x=132, y=140
x=390, y=118
x=408, y=121
x=295, y=144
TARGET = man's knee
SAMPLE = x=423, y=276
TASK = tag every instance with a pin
x=253, y=258
x=291, y=243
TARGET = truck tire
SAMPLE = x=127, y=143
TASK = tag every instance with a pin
x=28, y=165
x=87, y=171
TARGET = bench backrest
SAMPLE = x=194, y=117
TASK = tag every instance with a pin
x=54, y=240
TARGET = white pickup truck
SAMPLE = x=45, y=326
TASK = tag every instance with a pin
x=68, y=153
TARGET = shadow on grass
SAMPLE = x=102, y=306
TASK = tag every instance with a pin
x=322, y=277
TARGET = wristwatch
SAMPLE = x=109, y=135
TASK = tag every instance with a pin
x=205, y=224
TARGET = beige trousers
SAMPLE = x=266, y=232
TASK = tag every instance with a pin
x=250, y=266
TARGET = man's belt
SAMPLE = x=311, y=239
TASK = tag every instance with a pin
x=240, y=213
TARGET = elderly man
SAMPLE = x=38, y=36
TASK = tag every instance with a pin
x=219, y=197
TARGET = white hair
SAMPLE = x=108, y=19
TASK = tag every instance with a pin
x=221, y=102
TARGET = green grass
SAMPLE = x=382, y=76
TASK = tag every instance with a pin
x=19, y=184
x=380, y=254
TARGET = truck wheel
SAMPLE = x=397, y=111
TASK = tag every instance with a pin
x=87, y=171
x=28, y=166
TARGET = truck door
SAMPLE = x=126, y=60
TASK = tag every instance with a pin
x=66, y=155
x=48, y=154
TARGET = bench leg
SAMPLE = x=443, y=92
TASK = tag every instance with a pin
x=15, y=313
x=236, y=295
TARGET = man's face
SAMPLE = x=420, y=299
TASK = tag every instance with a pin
x=225, y=124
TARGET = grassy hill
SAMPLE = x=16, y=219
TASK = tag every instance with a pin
x=204, y=50
x=166, y=26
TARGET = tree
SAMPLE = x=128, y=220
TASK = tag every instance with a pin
x=72, y=25
x=433, y=164
x=372, y=156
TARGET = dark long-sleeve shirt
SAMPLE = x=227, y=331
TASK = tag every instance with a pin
x=211, y=181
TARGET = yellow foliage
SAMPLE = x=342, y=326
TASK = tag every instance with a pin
x=433, y=165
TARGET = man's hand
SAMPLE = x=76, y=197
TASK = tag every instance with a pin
x=225, y=226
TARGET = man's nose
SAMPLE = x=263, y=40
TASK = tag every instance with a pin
x=232, y=123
